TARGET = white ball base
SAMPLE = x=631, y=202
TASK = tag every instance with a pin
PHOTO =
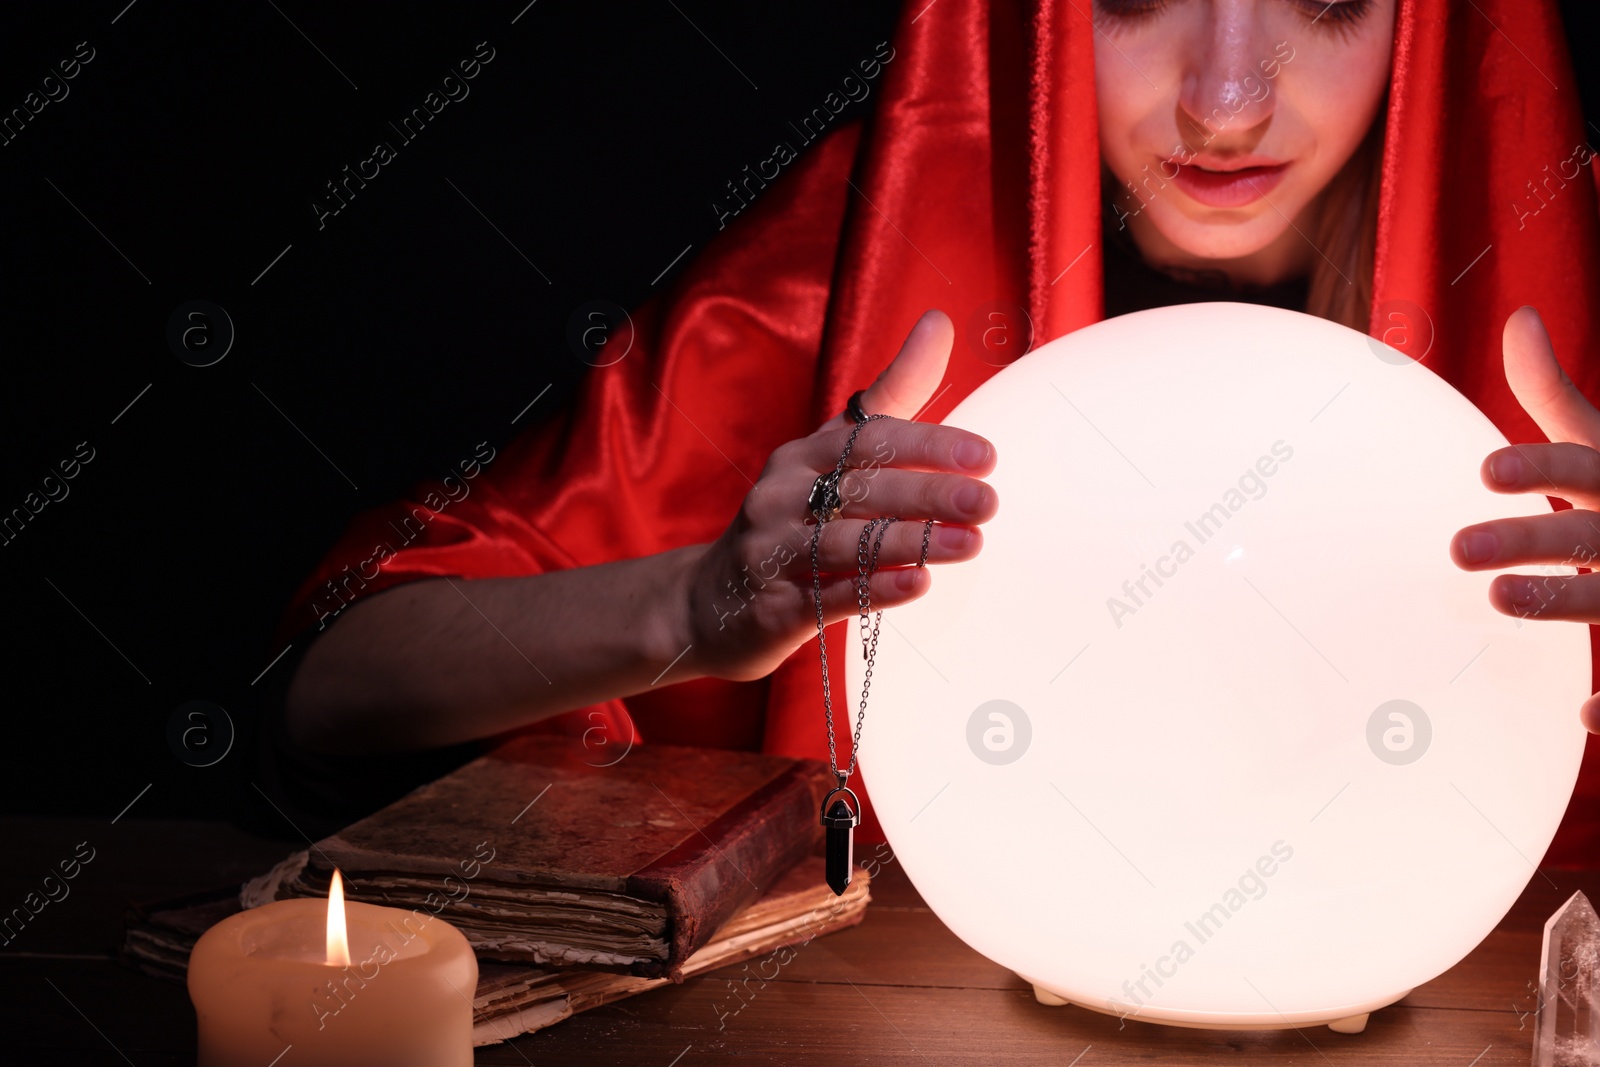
x=1339, y=1024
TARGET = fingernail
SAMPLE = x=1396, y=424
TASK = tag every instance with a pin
x=969, y=498
x=1522, y=595
x=1479, y=547
x=972, y=454
x=1506, y=469
x=953, y=536
x=905, y=581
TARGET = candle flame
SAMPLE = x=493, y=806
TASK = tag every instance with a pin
x=338, y=940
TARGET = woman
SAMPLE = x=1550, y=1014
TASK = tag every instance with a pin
x=1296, y=152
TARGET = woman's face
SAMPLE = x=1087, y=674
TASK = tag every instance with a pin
x=1230, y=116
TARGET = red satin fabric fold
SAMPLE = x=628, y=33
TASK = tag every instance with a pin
x=975, y=186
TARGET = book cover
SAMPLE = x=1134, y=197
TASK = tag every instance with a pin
x=540, y=857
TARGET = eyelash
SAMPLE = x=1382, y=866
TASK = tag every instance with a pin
x=1344, y=12
x=1338, y=14
x=1130, y=10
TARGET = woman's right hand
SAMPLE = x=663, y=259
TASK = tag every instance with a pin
x=749, y=594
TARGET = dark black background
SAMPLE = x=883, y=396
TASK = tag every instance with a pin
x=396, y=338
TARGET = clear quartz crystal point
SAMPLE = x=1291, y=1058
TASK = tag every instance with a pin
x=1568, y=1029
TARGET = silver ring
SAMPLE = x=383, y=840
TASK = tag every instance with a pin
x=825, y=503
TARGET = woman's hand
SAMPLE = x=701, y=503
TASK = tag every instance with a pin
x=1568, y=468
x=749, y=595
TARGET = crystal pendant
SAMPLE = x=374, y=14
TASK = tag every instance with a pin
x=839, y=847
x=1568, y=1030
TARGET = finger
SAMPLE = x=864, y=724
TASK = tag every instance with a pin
x=1589, y=714
x=924, y=446
x=952, y=498
x=1565, y=537
x=1541, y=386
x=908, y=383
x=839, y=549
x=1569, y=471
x=882, y=491
x=886, y=589
x=1547, y=596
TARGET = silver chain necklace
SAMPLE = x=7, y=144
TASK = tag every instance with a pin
x=840, y=819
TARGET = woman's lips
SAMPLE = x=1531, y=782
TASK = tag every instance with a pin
x=1228, y=188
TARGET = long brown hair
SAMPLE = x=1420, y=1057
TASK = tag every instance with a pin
x=1346, y=235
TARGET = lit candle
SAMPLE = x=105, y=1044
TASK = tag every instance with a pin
x=299, y=983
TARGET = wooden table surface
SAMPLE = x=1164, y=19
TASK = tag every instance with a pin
x=899, y=989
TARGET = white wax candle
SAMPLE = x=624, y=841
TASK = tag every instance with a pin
x=265, y=993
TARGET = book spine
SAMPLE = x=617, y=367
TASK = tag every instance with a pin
x=726, y=865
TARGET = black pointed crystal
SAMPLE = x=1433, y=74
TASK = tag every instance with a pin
x=839, y=847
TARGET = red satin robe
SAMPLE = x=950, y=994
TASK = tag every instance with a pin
x=976, y=180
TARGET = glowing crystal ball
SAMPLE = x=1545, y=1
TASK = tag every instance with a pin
x=1213, y=732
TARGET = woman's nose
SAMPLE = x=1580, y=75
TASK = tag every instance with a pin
x=1225, y=91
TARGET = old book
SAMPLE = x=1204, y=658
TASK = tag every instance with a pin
x=515, y=999
x=538, y=856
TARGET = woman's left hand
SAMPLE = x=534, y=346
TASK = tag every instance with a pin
x=1568, y=468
